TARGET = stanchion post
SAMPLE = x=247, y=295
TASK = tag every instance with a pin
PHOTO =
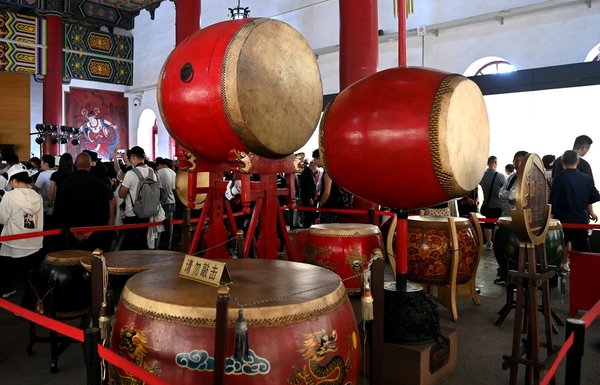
x=221, y=335
x=91, y=340
x=376, y=349
x=186, y=230
x=574, y=355
x=239, y=244
x=371, y=211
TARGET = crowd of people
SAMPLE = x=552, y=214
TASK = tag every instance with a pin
x=83, y=191
x=38, y=195
x=572, y=193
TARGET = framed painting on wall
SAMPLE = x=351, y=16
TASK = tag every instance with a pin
x=102, y=118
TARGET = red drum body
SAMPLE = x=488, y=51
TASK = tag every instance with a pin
x=430, y=251
x=425, y=132
x=217, y=92
x=301, y=327
x=344, y=248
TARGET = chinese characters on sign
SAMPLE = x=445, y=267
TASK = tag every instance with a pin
x=204, y=270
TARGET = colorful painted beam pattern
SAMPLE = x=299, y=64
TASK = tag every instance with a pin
x=18, y=50
x=99, y=56
x=88, y=41
x=86, y=67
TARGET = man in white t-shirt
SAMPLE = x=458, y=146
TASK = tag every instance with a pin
x=42, y=185
x=166, y=178
x=134, y=239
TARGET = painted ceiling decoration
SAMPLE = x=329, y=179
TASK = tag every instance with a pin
x=90, y=54
x=19, y=48
x=90, y=13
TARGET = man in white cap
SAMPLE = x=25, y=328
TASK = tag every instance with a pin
x=21, y=211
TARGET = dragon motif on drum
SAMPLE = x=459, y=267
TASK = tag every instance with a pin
x=132, y=345
x=430, y=255
x=317, y=346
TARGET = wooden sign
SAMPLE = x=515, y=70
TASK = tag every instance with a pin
x=204, y=270
x=531, y=216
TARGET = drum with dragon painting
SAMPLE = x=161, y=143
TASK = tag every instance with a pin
x=301, y=326
x=217, y=92
x=344, y=248
x=430, y=250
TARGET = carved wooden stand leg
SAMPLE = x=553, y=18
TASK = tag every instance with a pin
x=527, y=281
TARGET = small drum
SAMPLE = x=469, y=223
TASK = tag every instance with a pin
x=70, y=285
x=506, y=243
x=417, y=127
x=182, y=185
x=430, y=251
x=344, y=248
x=122, y=265
x=301, y=327
x=217, y=92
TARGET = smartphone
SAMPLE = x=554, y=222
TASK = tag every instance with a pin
x=120, y=151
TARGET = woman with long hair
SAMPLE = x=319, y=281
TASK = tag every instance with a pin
x=65, y=168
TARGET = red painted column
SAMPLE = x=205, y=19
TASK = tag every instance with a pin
x=359, y=53
x=402, y=33
x=52, y=93
x=358, y=40
x=187, y=21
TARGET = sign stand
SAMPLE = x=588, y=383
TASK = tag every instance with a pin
x=531, y=221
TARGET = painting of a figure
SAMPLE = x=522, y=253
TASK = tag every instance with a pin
x=101, y=117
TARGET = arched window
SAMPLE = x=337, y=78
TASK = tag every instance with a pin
x=146, y=137
x=594, y=54
x=489, y=65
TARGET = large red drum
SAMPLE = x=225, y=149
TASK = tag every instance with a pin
x=430, y=250
x=423, y=133
x=344, y=248
x=301, y=327
x=249, y=85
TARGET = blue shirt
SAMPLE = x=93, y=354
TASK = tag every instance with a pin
x=572, y=191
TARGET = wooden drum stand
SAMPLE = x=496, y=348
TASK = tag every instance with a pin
x=266, y=222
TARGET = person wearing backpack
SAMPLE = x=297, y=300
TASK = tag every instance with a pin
x=141, y=181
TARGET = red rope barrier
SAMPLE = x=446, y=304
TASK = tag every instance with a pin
x=122, y=363
x=562, y=353
x=77, y=334
x=29, y=235
x=591, y=314
x=588, y=318
x=114, y=227
x=345, y=211
x=48, y=323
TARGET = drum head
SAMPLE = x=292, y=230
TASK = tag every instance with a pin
x=273, y=105
x=181, y=187
x=134, y=261
x=435, y=222
x=270, y=292
x=67, y=257
x=344, y=229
